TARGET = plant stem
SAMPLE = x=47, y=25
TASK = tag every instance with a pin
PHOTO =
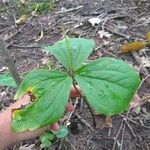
x=89, y=107
x=9, y=62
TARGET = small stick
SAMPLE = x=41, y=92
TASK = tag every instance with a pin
x=9, y=62
x=114, y=145
x=85, y=122
x=122, y=137
x=130, y=128
x=69, y=10
x=121, y=126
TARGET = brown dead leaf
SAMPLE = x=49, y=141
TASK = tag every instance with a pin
x=45, y=61
x=136, y=101
x=134, y=46
x=22, y=19
x=102, y=121
x=145, y=61
x=9, y=35
x=148, y=36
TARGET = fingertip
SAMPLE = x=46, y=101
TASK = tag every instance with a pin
x=55, y=126
x=74, y=93
x=70, y=107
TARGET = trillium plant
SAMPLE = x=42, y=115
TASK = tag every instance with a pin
x=107, y=83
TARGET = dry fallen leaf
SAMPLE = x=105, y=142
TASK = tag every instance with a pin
x=78, y=25
x=136, y=101
x=2, y=94
x=22, y=19
x=41, y=36
x=10, y=33
x=45, y=61
x=3, y=69
x=145, y=61
x=103, y=34
x=94, y=21
x=102, y=121
x=148, y=36
x=135, y=104
x=134, y=46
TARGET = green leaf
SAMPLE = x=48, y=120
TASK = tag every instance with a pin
x=63, y=132
x=51, y=91
x=45, y=144
x=48, y=135
x=72, y=52
x=46, y=139
x=109, y=84
x=7, y=80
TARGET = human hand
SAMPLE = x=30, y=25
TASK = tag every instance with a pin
x=8, y=137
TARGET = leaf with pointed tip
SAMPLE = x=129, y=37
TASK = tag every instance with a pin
x=50, y=99
x=108, y=84
x=72, y=52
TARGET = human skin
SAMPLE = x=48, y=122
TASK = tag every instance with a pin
x=8, y=137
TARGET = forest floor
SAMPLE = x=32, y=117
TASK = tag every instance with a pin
x=120, y=21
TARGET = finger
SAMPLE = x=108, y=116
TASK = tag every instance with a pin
x=74, y=93
x=70, y=107
x=31, y=134
x=21, y=102
x=55, y=126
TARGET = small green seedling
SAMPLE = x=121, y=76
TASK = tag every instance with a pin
x=49, y=137
x=107, y=83
x=7, y=80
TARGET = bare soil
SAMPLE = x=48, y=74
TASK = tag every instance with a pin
x=126, y=21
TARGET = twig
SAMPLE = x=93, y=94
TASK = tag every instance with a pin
x=69, y=10
x=114, y=145
x=61, y=143
x=41, y=36
x=145, y=98
x=141, y=24
x=112, y=17
x=4, y=29
x=9, y=62
x=132, y=121
x=130, y=128
x=117, y=33
x=85, y=122
x=52, y=27
x=71, y=144
x=121, y=126
x=122, y=137
x=66, y=120
x=22, y=46
x=148, y=76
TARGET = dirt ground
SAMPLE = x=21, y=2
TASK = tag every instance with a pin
x=120, y=21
